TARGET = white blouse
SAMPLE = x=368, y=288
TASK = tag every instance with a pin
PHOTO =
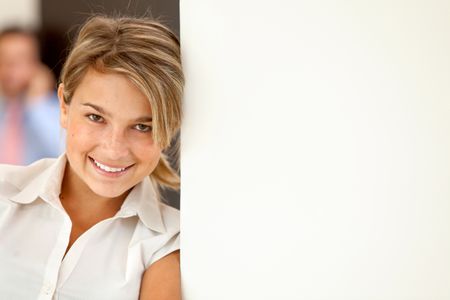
x=105, y=262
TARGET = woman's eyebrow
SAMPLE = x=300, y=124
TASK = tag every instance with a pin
x=144, y=119
x=97, y=108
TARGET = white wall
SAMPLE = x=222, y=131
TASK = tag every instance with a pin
x=316, y=149
x=20, y=12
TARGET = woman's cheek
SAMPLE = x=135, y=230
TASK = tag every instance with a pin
x=83, y=133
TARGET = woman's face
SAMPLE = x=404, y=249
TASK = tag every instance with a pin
x=109, y=138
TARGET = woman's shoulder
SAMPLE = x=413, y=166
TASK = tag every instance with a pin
x=165, y=242
x=14, y=178
x=170, y=217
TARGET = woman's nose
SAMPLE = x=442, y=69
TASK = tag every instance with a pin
x=116, y=144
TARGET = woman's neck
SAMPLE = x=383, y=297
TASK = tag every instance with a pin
x=82, y=204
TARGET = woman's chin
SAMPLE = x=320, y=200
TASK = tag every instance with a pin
x=109, y=192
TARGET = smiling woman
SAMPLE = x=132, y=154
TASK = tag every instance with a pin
x=90, y=225
x=107, y=145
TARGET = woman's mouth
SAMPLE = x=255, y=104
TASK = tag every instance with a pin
x=109, y=170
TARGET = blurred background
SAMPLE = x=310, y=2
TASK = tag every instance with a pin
x=56, y=21
x=35, y=37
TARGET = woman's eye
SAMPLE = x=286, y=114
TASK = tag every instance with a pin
x=143, y=128
x=95, y=118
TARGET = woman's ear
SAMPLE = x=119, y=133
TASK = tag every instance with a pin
x=63, y=107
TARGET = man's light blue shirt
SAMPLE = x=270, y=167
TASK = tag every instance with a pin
x=42, y=134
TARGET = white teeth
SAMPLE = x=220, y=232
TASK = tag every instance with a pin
x=108, y=169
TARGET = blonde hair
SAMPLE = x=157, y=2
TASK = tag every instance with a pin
x=148, y=53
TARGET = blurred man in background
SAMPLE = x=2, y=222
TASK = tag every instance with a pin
x=29, y=113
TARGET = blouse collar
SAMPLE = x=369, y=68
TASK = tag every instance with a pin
x=45, y=178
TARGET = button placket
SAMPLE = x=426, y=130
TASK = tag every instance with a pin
x=55, y=260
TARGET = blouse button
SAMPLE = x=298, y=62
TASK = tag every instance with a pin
x=48, y=288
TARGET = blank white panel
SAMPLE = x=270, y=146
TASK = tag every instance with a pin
x=316, y=150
